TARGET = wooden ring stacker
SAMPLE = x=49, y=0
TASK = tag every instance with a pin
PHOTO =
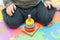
x=29, y=23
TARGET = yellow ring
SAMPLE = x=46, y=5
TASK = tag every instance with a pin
x=29, y=23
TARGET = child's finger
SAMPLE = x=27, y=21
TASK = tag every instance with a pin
x=53, y=5
x=12, y=10
x=49, y=5
x=45, y=4
x=14, y=7
x=8, y=10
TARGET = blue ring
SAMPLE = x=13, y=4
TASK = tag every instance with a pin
x=30, y=26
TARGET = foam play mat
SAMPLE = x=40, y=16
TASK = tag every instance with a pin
x=56, y=3
x=49, y=32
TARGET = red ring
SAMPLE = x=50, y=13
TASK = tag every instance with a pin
x=29, y=29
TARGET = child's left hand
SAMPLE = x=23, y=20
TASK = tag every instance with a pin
x=49, y=4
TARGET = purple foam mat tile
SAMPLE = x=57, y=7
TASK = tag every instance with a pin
x=7, y=34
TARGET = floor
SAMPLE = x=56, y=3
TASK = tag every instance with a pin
x=51, y=32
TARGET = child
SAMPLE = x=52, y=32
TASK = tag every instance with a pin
x=16, y=11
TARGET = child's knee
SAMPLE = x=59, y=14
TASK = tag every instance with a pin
x=44, y=21
x=12, y=23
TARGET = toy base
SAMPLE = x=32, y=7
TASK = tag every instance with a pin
x=30, y=33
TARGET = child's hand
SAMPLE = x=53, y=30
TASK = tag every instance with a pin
x=10, y=9
x=49, y=4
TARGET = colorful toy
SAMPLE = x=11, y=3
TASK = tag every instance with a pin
x=30, y=27
x=29, y=24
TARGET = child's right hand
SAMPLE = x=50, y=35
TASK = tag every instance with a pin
x=10, y=9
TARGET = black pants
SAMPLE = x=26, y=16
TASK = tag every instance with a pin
x=39, y=13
